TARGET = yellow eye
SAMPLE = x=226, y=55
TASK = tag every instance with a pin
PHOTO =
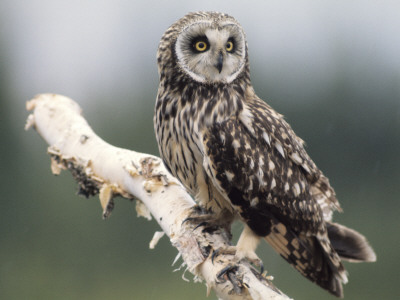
x=229, y=46
x=200, y=46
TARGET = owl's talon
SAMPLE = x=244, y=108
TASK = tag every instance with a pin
x=197, y=214
x=232, y=250
x=199, y=217
x=213, y=255
x=207, y=222
x=228, y=269
x=261, y=267
x=229, y=273
x=199, y=225
x=229, y=250
x=256, y=263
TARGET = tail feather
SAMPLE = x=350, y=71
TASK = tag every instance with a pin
x=314, y=259
x=349, y=244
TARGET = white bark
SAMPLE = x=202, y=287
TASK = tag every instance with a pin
x=102, y=168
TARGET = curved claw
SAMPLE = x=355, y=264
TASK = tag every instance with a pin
x=227, y=269
x=261, y=267
x=186, y=220
x=199, y=225
x=257, y=263
x=214, y=254
x=196, y=213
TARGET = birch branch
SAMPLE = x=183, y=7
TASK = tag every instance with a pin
x=100, y=168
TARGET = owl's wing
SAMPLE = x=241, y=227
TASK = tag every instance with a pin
x=258, y=154
x=257, y=179
x=260, y=166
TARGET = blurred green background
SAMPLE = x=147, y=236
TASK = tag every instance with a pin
x=331, y=67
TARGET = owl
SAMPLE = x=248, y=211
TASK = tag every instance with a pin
x=239, y=158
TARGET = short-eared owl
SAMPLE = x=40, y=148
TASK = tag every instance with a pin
x=239, y=158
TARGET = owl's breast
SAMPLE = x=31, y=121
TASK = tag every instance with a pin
x=181, y=119
x=178, y=140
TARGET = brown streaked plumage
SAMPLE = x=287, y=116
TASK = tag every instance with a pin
x=239, y=158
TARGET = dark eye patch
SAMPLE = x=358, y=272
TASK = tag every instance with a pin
x=200, y=44
x=230, y=45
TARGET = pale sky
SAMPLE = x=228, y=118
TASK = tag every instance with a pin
x=88, y=48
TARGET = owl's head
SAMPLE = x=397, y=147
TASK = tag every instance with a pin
x=209, y=47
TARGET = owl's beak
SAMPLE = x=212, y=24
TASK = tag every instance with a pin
x=220, y=62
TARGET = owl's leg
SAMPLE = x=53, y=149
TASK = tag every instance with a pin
x=247, y=245
x=209, y=212
x=245, y=248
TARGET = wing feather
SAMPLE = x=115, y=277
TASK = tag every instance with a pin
x=261, y=168
x=258, y=169
x=266, y=121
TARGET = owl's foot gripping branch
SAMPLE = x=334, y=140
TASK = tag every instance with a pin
x=100, y=168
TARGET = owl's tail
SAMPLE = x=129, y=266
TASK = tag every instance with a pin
x=318, y=258
x=349, y=244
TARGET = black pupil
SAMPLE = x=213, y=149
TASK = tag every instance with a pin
x=199, y=44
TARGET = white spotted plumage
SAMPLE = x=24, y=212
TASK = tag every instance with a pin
x=239, y=158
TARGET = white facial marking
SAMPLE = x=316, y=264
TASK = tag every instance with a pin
x=201, y=66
